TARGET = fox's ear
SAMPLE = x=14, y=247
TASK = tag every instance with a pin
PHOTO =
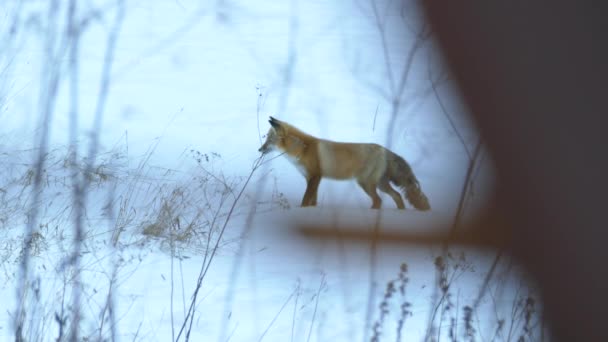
x=274, y=123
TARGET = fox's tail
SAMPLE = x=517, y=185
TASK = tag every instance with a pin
x=400, y=173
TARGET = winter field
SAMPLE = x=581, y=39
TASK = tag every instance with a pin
x=135, y=206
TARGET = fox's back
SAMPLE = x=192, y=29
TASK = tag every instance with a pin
x=340, y=160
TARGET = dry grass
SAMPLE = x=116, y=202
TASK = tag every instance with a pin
x=145, y=207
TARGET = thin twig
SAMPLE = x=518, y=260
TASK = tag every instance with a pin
x=277, y=315
x=239, y=256
x=449, y=118
x=295, y=309
x=210, y=256
x=48, y=95
x=81, y=189
x=486, y=281
x=384, y=43
x=314, y=314
x=375, y=115
x=373, y=260
x=172, y=244
x=463, y=194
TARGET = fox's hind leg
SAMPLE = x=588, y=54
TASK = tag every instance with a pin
x=370, y=190
x=386, y=187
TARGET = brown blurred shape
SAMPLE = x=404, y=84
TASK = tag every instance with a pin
x=534, y=76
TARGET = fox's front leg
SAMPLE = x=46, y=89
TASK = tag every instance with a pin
x=310, y=196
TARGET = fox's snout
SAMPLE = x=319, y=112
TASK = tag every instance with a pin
x=266, y=147
x=263, y=148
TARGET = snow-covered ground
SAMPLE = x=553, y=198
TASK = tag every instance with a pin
x=190, y=89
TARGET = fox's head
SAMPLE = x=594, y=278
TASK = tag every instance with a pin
x=278, y=138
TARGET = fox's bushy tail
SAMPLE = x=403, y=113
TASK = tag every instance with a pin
x=400, y=173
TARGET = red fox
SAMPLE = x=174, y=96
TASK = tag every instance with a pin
x=372, y=165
